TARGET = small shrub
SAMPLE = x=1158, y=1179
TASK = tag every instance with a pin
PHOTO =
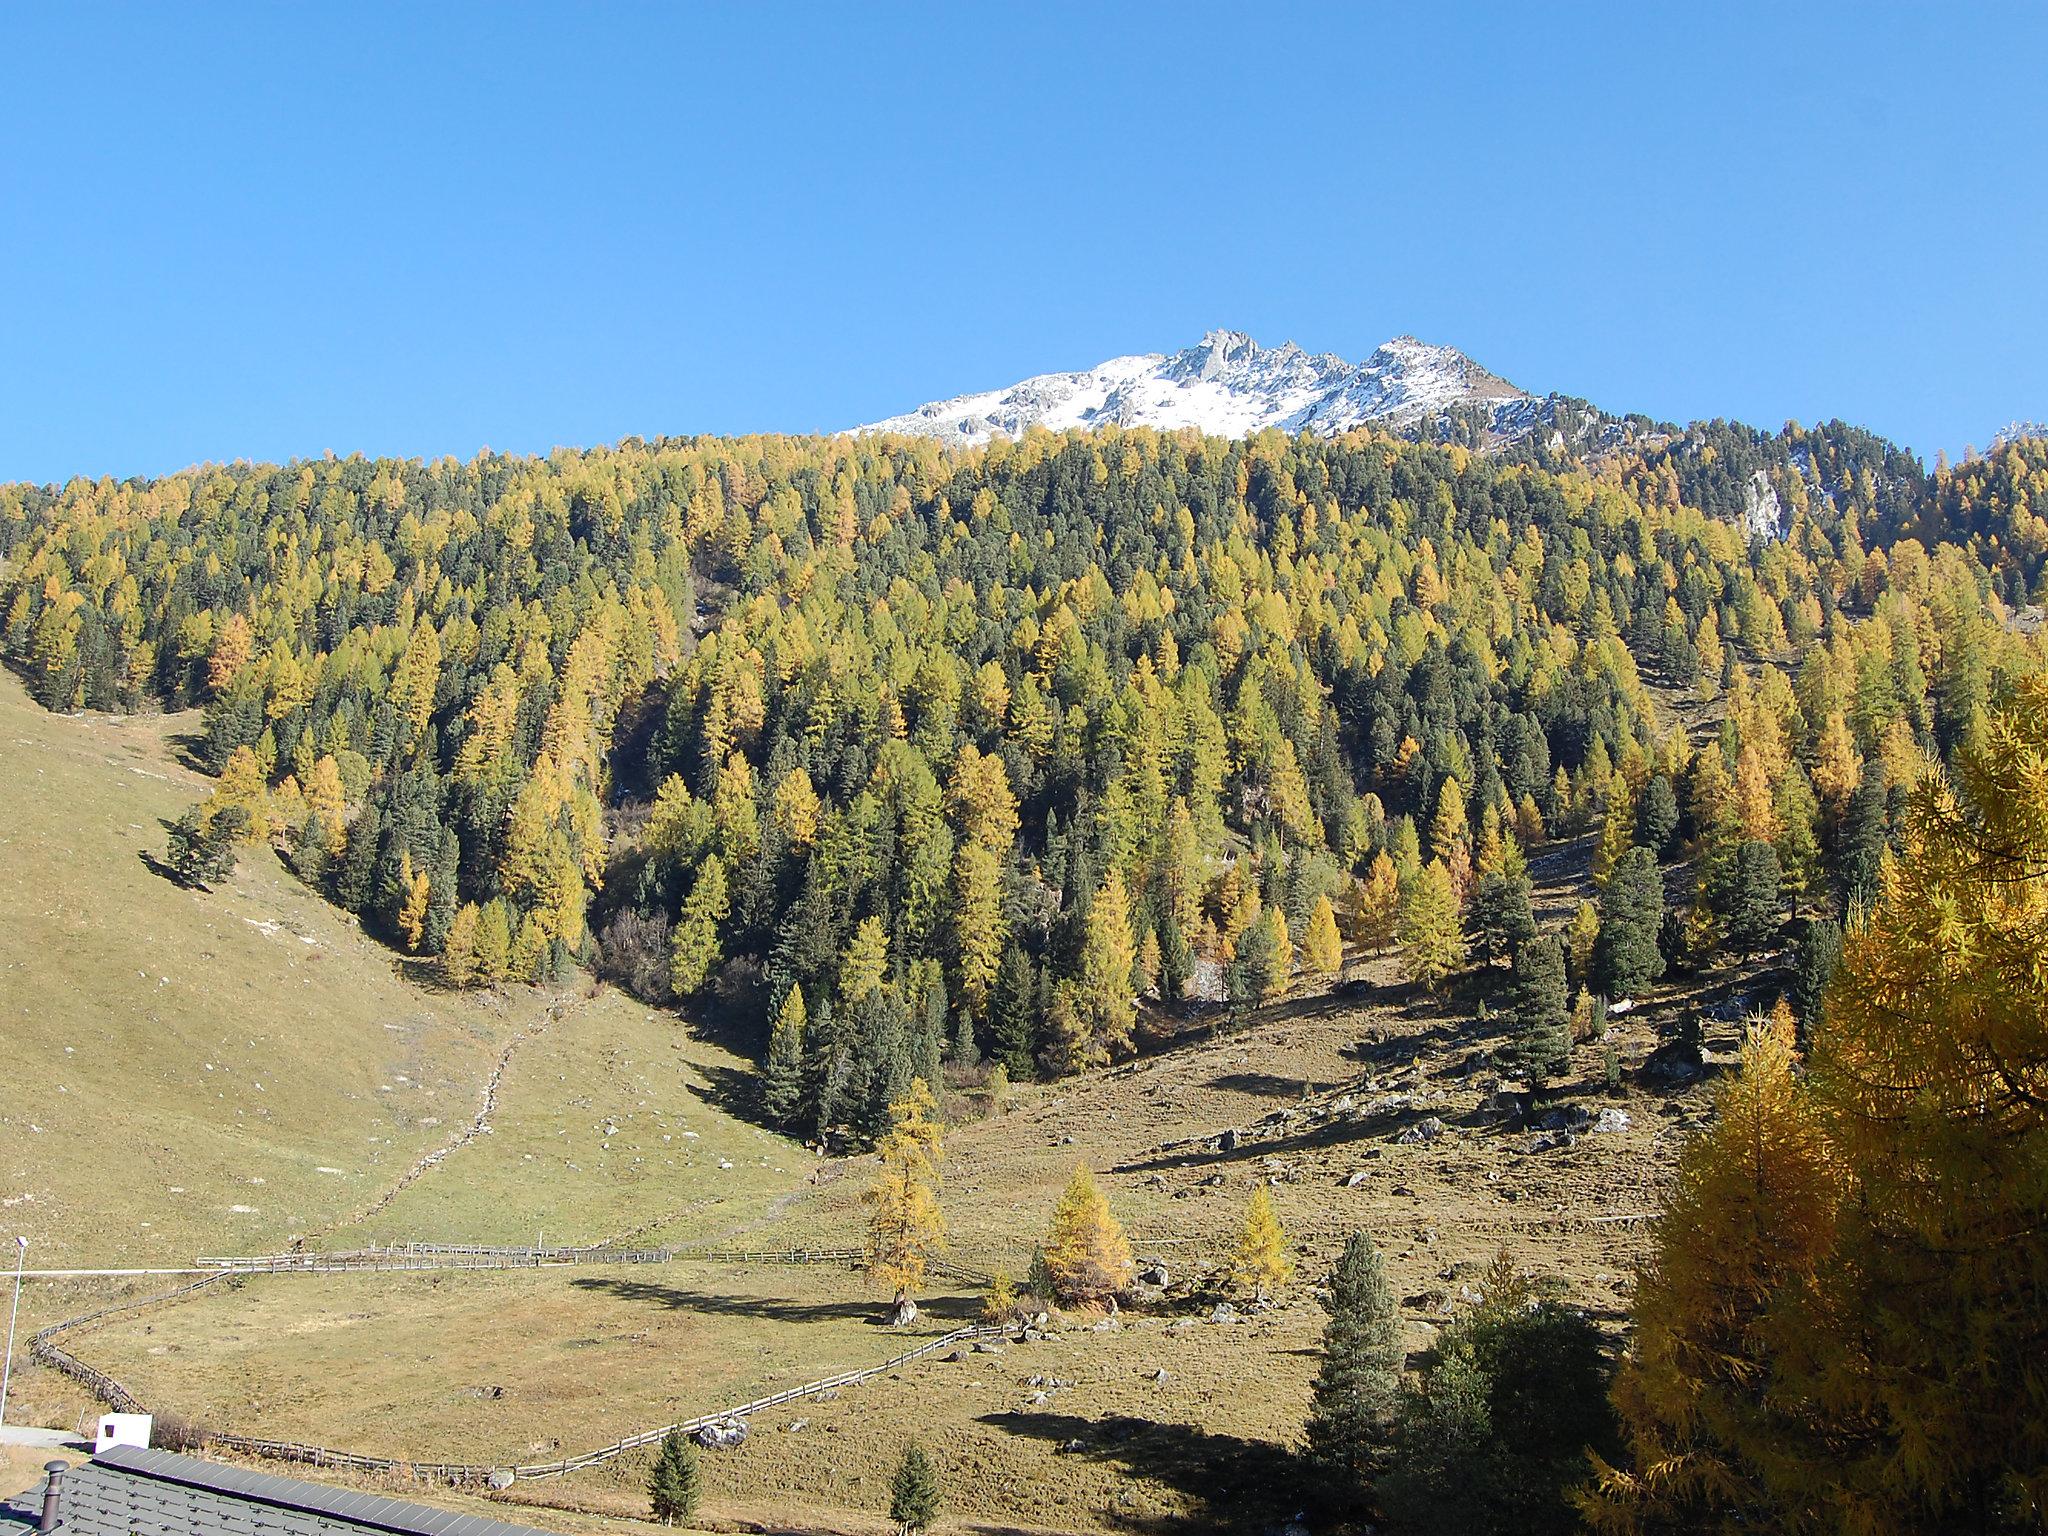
x=1001, y=1303
x=175, y=1432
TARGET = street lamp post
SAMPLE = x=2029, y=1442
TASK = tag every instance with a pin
x=7, y=1363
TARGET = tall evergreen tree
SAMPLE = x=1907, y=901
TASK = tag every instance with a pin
x=1756, y=908
x=1357, y=1389
x=1820, y=952
x=1542, y=1044
x=1657, y=815
x=676, y=1482
x=782, y=1073
x=1015, y=1023
x=1865, y=830
x=1625, y=955
x=1500, y=918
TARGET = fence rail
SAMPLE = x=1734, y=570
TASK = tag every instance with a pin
x=425, y=1256
x=44, y=1349
x=455, y=1474
x=415, y=1256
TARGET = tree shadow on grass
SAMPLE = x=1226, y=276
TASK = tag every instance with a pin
x=681, y=1298
x=731, y=1091
x=1267, y=1085
x=1330, y=1133
x=186, y=747
x=1236, y=1483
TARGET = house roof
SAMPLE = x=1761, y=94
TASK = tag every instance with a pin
x=160, y=1478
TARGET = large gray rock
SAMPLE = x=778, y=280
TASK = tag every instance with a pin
x=724, y=1435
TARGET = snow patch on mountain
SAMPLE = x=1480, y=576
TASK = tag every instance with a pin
x=1229, y=386
x=2019, y=430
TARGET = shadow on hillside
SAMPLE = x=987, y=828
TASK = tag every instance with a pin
x=1331, y=1133
x=1266, y=1085
x=682, y=1298
x=1188, y=1024
x=1238, y=1484
x=185, y=747
x=731, y=1091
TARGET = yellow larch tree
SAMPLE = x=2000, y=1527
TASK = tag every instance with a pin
x=1752, y=1215
x=1322, y=947
x=1259, y=1261
x=905, y=1225
x=1086, y=1253
x=1375, y=901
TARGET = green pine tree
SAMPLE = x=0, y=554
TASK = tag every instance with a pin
x=676, y=1481
x=1625, y=955
x=1755, y=907
x=1820, y=952
x=1542, y=1045
x=1657, y=815
x=1014, y=1014
x=1499, y=917
x=1865, y=830
x=914, y=1495
x=1357, y=1391
x=782, y=1074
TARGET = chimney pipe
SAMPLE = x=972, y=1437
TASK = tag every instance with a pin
x=53, y=1480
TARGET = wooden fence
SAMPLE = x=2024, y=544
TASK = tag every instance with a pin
x=412, y=1256
x=424, y=1256
x=43, y=1347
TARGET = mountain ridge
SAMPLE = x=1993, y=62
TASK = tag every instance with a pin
x=1230, y=385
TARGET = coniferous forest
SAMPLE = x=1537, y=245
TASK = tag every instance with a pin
x=908, y=763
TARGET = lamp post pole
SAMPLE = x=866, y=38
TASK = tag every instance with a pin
x=7, y=1364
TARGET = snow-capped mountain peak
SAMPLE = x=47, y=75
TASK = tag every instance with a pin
x=1229, y=385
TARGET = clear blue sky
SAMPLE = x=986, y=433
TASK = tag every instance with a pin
x=278, y=230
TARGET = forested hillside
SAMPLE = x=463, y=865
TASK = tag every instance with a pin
x=899, y=754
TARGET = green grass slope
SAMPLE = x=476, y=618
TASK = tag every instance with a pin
x=183, y=1070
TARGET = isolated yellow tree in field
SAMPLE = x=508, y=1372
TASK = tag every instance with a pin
x=1087, y=1254
x=1260, y=1259
x=905, y=1224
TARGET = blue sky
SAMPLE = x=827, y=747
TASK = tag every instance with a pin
x=279, y=230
